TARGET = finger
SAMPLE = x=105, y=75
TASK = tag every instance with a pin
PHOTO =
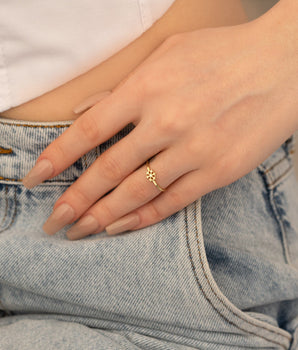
x=178, y=195
x=94, y=127
x=111, y=168
x=133, y=192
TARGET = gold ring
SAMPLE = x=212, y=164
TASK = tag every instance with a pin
x=151, y=176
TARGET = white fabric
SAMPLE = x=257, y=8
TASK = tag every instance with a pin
x=43, y=44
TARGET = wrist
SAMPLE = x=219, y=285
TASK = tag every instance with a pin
x=277, y=32
x=283, y=11
x=281, y=21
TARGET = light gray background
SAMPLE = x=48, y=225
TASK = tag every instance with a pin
x=255, y=8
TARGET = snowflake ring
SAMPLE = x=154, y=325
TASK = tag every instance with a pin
x=151, y=176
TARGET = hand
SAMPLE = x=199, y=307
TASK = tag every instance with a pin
x=209, y=106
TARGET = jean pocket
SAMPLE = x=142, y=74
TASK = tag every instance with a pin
x=238, y=328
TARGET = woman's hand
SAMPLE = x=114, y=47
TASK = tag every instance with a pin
x=209, y=106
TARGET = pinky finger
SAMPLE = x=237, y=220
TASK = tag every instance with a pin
x=177, y=196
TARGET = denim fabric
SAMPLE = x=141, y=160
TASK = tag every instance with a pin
x=220, y=274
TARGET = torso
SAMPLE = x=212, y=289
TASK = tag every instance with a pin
x=184, y=15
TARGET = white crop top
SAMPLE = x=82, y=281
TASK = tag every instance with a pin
x=43, y=44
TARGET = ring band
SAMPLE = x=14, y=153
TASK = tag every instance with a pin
x=150, y=174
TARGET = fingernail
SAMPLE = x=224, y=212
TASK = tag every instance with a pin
x=123, y=224
x=90, y=101
x=40, y=172
x=84, y=227
x=60, y=217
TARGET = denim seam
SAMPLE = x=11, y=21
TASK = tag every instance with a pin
x=8, y=179
x=272, y=182
x=289, y=145
x=277, y=181
x=282, y=229
x=6, y=206
x=274, y=165
x=15, y=212
x=217, y=296
x=5, y=150
x=96, y=152
x=58, y=182
x=126, y=337
x=275, y=213
x=294, y=341
x=37, y=125
x=219, y=299
x=134, y=324
x=85, y=161
x=5, y=311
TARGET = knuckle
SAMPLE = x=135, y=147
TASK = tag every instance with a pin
x=138, y=191
x=175, y=198
x=57, y=155
x=173, y=39
x=106, y=214
x=154, y=214
x=224, y=162
x=225, y=168
x=77, y=195
x=89, y=129
x=193, y=147
x=144, y=83
x=110, y=168
x=168, y=124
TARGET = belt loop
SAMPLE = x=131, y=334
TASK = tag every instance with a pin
x=289, y=145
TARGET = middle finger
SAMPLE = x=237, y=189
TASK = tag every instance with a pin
x=132, y=193
x=103, y=175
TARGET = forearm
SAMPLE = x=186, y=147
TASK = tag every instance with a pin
x=277, y=32
x=281, y=20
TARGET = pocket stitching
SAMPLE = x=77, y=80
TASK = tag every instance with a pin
x=57, y=126
x=227, y=306
x=15, y=209
x=6, y=206
x=273, y=182
x=58, y=182
x=281, y=226
x=281, y=177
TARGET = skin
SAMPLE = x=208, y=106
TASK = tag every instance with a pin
x=184, y=15
x=235, y=87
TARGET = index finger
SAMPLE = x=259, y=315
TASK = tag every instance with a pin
x=92, y=128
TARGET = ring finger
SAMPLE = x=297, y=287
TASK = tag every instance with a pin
x=103, y=175
x=132, y=193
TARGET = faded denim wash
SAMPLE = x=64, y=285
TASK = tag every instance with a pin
x=220, y=274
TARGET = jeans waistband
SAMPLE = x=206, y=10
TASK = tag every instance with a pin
x=22, y=141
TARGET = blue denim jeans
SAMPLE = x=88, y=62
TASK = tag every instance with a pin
x=220, y=274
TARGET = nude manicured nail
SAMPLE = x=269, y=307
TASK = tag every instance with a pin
x=90, y=101
x=60, y=217
x=126, y=223
x=40, y=172
x=84, y=227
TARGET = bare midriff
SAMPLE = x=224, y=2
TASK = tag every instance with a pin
x=183, y=16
